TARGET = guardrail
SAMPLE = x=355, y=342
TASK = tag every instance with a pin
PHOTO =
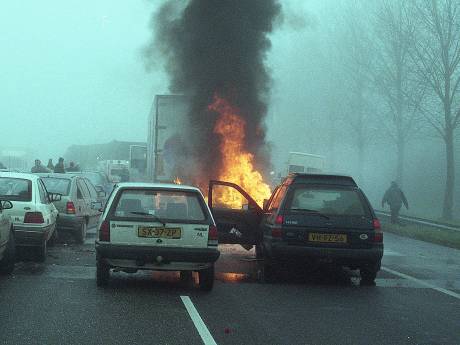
x=422, y=221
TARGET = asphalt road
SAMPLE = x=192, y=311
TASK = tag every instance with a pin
x=416, y=300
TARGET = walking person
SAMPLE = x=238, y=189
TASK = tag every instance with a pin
x=394, y=197
x=59, y=167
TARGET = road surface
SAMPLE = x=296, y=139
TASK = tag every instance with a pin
x=416, y=300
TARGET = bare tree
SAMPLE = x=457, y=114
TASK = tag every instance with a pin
x=437, y=57
x=394, y=75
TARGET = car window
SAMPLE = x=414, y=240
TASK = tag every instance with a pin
x=43, y=193
x=57, y=185
x=82, y=190
x=341, y=202
x=91, y=189
x=15, y=189
x=170, y=205
x=276, y=201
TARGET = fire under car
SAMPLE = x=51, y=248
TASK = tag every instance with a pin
x=309, y=219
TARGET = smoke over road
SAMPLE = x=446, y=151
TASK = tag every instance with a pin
x=217, y=47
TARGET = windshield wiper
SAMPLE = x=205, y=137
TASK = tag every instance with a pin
x=149, y=215
x=311, y=211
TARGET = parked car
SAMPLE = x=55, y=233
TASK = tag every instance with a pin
x=310, y=218
x=33, y=215
x=79, y=207
x=7, y=245
x=98, y=179
x=147, y=226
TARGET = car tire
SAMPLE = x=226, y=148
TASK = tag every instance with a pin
x=9, y=256
x=267, y=272
x=368, y=276
x=54, y=238
x=206, y=278
x=102, y=273
x=81, y=233
x=41, y=252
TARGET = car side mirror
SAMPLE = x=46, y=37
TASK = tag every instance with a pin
x=54, y=197
x=265, y=204
x=6, y=205
x=96, y=205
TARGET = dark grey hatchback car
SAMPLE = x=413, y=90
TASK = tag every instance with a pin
x=309, y=218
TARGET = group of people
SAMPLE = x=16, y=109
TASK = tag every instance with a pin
x=50, y=167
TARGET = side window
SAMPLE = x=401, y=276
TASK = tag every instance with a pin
x=275, y=204
x=82, y=190
x=42, y=192
x=226, y=197
x=92, y=191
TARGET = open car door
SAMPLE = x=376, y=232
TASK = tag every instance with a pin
x=237, y=220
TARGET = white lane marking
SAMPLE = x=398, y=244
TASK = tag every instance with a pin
x=389, y=252
x=421, y=282
x=198, y=321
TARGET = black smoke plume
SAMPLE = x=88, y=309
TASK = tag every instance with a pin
x=217, y=47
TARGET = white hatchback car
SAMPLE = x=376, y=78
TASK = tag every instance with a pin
x=33, y=215
x=164, y=227
x=7, y=246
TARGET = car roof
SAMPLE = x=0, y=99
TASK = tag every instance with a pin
x=27, y=176
x=329, y=179
x=179, y=187
x=56, y=175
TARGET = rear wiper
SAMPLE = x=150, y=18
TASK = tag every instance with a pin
x=311, y=211
x=150, y=215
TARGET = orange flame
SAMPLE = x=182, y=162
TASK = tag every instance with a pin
x=237, y=166
x=177, y=180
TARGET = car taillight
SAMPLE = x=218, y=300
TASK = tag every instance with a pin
x=277, y=232
x=70, y=207
x=279, y=220
x=34, y=217
x=378, y=235
x=104, y=231
x=213, y=235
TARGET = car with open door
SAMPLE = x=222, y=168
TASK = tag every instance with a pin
x=7, y=245
x=309, y=219
x=160, y=227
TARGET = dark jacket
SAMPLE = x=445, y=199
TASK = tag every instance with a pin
x=395, y=197
x=59, y=168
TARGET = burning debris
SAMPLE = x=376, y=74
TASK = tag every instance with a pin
x=215, y=52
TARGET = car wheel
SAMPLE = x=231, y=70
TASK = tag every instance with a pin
x=54, y=238
x=9, y=256
x=42, y=250
x=267, y=272
x=368, y=276
x=102, y=273
x=81, y=233
x=206, y=278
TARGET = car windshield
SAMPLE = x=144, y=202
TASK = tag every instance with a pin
x=169, y=205
x=57, y=185
x=15, y=189
x=327, y=201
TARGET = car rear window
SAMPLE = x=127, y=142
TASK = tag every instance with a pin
x=330, y=201
x=57, y=185
x=15, y=189
x=164, y=204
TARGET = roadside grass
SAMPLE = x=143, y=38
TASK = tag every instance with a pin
x=448, y=238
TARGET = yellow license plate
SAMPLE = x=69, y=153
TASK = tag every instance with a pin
x=328, y=238
x=154, y=232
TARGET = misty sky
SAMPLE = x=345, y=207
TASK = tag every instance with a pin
x=72, y=71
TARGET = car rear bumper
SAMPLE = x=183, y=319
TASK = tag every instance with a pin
x=345, y=255
x=69, y=222
x=145, y=255
x=31, y=235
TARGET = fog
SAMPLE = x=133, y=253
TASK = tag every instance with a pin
x=73, y=72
